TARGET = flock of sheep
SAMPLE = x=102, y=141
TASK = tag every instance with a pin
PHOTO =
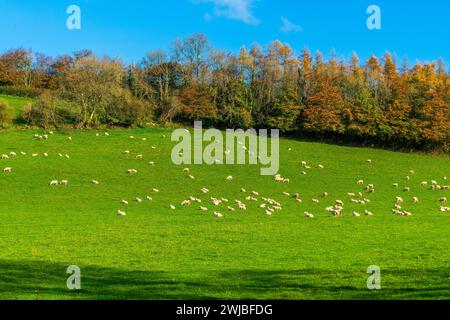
x=265, y=203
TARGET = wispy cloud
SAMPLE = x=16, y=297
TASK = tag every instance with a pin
x=288, y=26
x=240, y=10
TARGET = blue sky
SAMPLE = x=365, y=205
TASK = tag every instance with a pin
x=413, y=29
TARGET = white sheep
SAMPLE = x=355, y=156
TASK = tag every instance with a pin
x=121, y=213
x=368, y=213
x=7, y=169
x=64, y=182
x=308, y=214
x=53, y=183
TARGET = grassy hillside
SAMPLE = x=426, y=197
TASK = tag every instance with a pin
x=17, y=103
x=158, y=253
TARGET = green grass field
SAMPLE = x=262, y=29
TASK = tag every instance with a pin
x=158, y=253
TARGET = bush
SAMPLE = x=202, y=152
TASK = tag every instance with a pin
x=6, y=113
x=126, y=110
x=49, y=110
x=21, y=91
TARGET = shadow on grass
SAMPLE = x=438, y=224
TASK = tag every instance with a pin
x=45, y=280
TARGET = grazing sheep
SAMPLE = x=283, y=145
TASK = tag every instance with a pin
x=149, y=198
x=218, y=215
x=356, y=214
x=139, y=157
x=125, y=202
x=360, y=182
x=64, y=182
x=368, y=213
x=443, y=200
x=203, y=209
x=242, y=206
x=229, y=178
x=186, y=170
x=321, y=166
x=139, y=200
x=407, y=189
x=424, y=183
x=53, y=183
x=132, y=171
x=95, y=182
x=315, y=200
x=172, y=207
x=415, y=200
x=369, y=161
x=7, y=169
x=5, y=156
x=185, y=203
x=121, y=213
x=151, y=163
x=191, y=177
x=155, y=190
x=395, y=185
x=231, y=209
x=399, y=200
x=308, y=214
x=13, y=154
x=204, y=191
x=127, y=152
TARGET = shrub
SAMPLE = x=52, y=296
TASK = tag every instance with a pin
x=21, y=91
x=6, y=113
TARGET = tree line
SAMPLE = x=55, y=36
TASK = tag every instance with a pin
x=374, y=102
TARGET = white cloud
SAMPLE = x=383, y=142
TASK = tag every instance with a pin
x=289, y=26
x=240, y=10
